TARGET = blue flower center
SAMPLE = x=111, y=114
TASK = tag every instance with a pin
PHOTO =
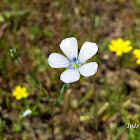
x=74, y=60
x=74, y=63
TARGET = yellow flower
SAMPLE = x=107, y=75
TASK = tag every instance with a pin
x=20, y=92
x=136, y=52
x=120, y=46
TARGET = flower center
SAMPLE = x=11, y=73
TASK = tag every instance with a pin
x=74, y=60
x=74, y=63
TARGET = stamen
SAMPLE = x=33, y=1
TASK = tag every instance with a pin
x=74, y=60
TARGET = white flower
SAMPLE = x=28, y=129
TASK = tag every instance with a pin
x=74, y=63
x=26, y=112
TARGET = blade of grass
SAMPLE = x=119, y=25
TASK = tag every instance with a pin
x=87, y=95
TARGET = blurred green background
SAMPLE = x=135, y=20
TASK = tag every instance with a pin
x=35, y=28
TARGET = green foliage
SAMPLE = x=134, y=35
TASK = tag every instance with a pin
x=14, y=13
x=29, y=90
x=48, y=33
x=118, y=133
x=35, y=30
x=2, y=18
x=133, y=134
x=64, y=87
x=13, y=53
x=88, y=94
x=97, y=21
x=17, y=127
x=2, y=124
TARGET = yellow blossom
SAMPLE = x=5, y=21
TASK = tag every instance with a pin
x=120, y=46
x=20, y=92
x=136, y=52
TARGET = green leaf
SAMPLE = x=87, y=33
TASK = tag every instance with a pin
x=61, y=93
x=87, y=95
x=32, y=82
x=2, y=124
x=92, y=110
x=2, y=18
x=64, y=87
x=30, y=91
x=15, y=13
x=97, y=21
x=35, y=78
x=34, y=30
x=8, y=14
x=17, y=127
x=48, y=33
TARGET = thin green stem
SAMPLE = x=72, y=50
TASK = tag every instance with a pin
x=64, y=87
x=38, y=84
x=36, y=103
x=26, y=104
